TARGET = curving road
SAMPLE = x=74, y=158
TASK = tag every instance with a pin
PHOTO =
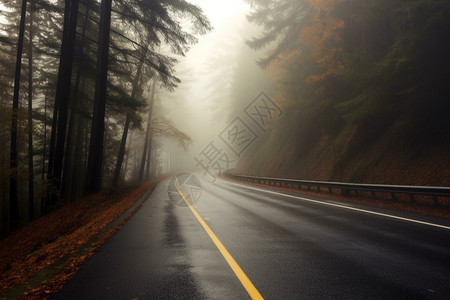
x=286, y=246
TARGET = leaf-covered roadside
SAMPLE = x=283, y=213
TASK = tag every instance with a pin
x=61, y=234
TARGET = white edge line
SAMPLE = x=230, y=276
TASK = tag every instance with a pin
x=338, y=205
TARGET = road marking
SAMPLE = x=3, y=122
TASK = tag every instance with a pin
x=342, y=206
x=248, y=285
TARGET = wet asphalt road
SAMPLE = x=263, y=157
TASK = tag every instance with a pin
x=290, y=248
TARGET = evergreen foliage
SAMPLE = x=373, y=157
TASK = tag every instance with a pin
x=64, y=46
x=350, y=73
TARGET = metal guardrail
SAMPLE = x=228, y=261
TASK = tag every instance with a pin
x=347, y=188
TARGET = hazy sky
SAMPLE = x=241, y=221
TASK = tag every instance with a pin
x=219, y=11
x=192, y=103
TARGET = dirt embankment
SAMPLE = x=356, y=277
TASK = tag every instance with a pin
x=385, y=161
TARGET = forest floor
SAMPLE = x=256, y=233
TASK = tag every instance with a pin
x=39, y=258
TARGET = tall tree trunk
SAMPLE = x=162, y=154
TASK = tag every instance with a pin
x=72, y=158
x=14, y=205
x=149, y=158
x=63, y=91
x=77, y=170
x=147, y=132
x=125, y=129
x=44, y=154
x=121, y=151
x=4, y=179
x=30, y=120
x=52, y=146
x=44, y=148
x=94, y=170
x=127, y=159
x=68, y=161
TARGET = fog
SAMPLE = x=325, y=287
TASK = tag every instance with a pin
x=331, y=76
x=202, y=106
x=352, y=91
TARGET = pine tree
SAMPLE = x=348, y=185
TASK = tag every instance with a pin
x=94, y=169
x=14, y=205
x=61, y=108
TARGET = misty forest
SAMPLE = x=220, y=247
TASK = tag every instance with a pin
x=78, y=79
x=363, y=86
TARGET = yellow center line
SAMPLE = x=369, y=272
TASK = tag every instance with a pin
x=248, y=285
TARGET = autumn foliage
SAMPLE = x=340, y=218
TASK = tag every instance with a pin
x=363, y=85
x=322, y=35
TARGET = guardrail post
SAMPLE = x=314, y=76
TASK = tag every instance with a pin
x=345, y=192
x=436, y=200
